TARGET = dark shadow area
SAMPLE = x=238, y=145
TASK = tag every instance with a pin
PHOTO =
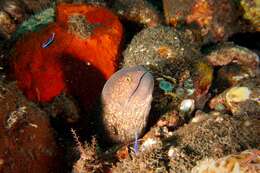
x=84, y=82
x=157, y=4
x=248, y=40
x=130, y=30
x=66, y=144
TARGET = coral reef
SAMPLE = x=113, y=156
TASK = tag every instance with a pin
x=182, y=98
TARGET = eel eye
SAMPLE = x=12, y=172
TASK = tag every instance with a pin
x=128, y=78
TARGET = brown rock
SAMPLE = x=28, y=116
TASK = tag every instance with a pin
x=34, y=5
x=27, y=142
x=7, y=25
x=215, y=20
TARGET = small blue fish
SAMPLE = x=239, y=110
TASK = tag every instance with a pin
x=136, y=144
x=49, y=41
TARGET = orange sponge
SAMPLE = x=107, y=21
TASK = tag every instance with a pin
x=76, y=54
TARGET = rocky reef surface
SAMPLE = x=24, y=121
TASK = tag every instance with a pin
x=129, y=86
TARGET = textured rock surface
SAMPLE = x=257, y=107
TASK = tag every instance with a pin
x=162, y=48
x=27, y=141
x=245, y=162
x=214, y=137
x=213, y=20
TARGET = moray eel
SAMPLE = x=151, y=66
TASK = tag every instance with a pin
x=126, y=103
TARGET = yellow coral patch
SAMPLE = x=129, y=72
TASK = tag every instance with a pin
x=205, y=72
x=238, y=94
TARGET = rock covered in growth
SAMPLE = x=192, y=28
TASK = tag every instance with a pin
x=236, y=64
x=126, y=101
x=251, y=12
x=245, y=162
x=240, y=99
x=54, y=59
x=162, y=48
x=215, y=20
x=13, y=12
x=27, y=138
x=98, y=2
x=146, y=162
x=229, y=53
x=216, y=136
x=15, y=8
x=232, y=74
x=7, y=26
x=138, y=11
x=63, y=106
x=173, y=57
x=34, y=6
x=36, y=22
